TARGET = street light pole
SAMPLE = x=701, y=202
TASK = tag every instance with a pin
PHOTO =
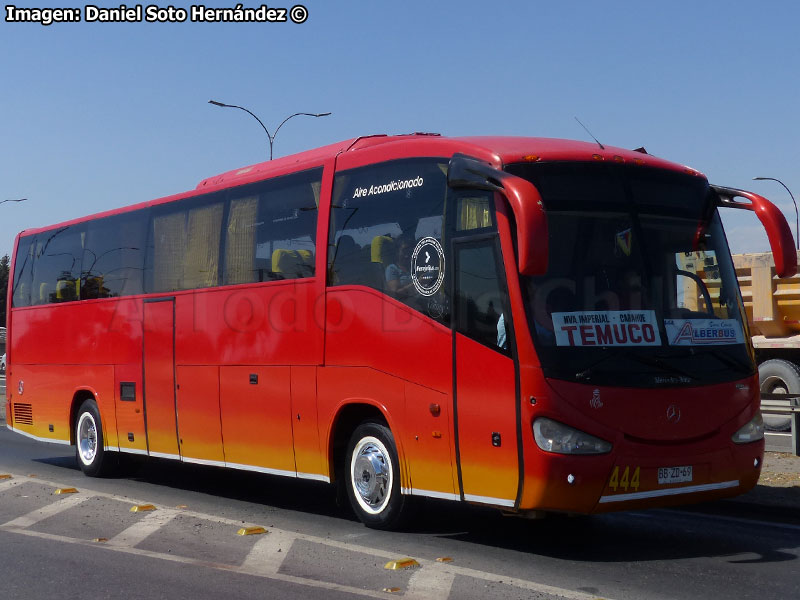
x=271, y=137
x=796, y=214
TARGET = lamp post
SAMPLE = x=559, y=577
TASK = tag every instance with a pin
x=796, y=214
x=13, y=200
x=270, y=136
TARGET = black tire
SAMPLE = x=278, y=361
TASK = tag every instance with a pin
x=92, y=457
x=372, y=478
x=778, y=376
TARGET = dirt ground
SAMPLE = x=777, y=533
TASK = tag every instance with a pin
x=779, y=485
x=780, y=470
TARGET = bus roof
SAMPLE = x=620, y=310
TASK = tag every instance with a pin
x=497, y=150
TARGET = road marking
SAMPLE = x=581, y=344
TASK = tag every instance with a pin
x=8, y=483
x=268, y=554
x=525, y=584
x=199, y=563
x=147, y=525
x=48, y=511
x=431, y=581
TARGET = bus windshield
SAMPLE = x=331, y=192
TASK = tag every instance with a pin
x=640, y=289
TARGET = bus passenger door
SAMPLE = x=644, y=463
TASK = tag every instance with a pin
x=485, y=390
x=159, y=377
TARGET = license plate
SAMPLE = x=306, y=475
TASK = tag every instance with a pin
x=667, y=475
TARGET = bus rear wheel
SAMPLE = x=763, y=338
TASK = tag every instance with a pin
x=92, y=456
x=372, y=477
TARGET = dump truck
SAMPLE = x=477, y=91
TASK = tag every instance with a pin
x=773, y=313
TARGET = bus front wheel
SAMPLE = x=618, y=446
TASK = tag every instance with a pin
x=92, y=456
x=372, y=477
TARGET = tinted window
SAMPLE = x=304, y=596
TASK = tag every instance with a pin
x=252, y=233
x=23, y=268
x=271, y=229
x=184, y=247
x=57, y=265
x=386, y=232
x=640, y=288
x=113, y=257
x=473, y=212
x=480, y=296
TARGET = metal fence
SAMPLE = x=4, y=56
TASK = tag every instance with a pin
x=785, y=405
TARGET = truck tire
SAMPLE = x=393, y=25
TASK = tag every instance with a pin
x=778, y=376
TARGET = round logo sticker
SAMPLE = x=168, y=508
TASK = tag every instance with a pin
x=427, y=266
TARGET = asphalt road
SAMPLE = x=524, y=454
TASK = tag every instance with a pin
x=90, y=544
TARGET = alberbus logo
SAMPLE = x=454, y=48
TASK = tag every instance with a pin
x=703, y=332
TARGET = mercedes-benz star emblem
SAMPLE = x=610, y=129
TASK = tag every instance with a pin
x=673, y=414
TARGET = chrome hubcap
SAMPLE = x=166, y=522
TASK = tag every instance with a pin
x=87, y=438
x=371, y=471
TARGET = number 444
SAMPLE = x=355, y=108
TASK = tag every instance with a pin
x=629, y=480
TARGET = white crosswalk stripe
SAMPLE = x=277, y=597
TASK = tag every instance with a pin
x=149, y=524
x=269, y=553
x=7, y=483
x=48, y=511
x=433, y=581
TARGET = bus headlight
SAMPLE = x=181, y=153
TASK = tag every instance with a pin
x=552, y=436
x=752, y=432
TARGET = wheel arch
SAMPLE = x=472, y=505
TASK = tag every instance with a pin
x=79, y=396
x=349, y=415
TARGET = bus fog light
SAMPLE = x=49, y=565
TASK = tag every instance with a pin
x=552, y=436
x=752, y=432
x=756, y=462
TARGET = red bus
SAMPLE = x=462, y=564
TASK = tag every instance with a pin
x=530, y=324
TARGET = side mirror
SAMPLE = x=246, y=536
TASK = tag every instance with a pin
x=780, y=236
x=524, y=199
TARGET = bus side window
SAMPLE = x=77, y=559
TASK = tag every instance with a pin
x=57, y=265
x=185, y=248
x=271, y=229
x=474, y=212
x=113, y=259
x=23, y=268
x=380, y=216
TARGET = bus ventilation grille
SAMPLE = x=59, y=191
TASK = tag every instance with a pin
x=23, y=414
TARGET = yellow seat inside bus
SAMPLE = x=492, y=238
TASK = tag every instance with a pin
x=383, y=250
x=67, y=289
x=292, y=264
x=354, y=265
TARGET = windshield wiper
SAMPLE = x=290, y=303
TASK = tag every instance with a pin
x=726, y=360
x=587, y=372
x=650, y=361
x=731, y=362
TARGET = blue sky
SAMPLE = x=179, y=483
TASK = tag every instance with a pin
x=98, y=115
